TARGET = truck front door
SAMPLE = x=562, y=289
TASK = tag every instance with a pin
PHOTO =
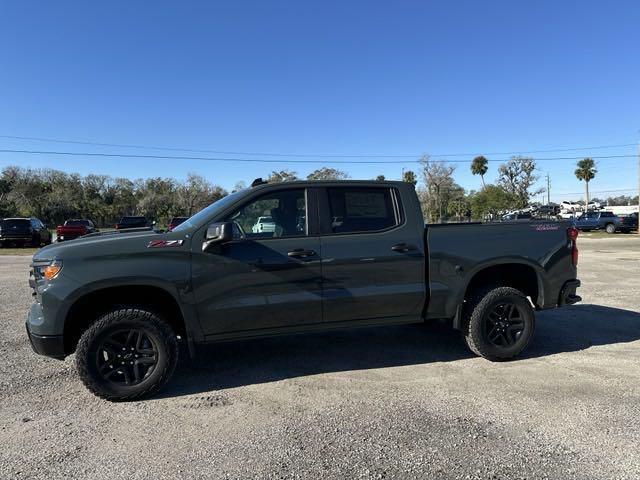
x=269, y=275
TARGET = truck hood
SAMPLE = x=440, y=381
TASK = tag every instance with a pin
x=97, y=244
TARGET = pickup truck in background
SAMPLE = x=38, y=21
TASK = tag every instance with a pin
x=342, y=254
x=23, y=231
x=131, y=222
x=607, y=221
x=72, y=229
x=175, y=221
x=628, y=223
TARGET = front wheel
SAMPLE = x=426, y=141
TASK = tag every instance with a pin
x=127, y=354
x=500, y=323
x=610, y=228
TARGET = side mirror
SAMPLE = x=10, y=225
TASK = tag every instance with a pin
x=217, y=233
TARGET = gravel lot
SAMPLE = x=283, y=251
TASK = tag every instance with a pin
x=372, y=403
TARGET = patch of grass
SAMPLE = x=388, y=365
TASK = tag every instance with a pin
x=26, y=251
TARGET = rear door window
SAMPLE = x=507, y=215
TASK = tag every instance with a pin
x=355, y=209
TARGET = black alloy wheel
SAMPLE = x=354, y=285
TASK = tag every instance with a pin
x=126, y=357
x=504, y=325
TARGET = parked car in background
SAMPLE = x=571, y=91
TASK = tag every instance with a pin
x=628, y=223
x=174, y=222
x=517, y=216
x=607, y=221
x=549, y=210
x=264, y=225
x=594, y=206
x=24, y=231
x=131, y=222
x=74, y=228
x=570, y=207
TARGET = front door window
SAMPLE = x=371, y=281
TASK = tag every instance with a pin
x=278, y=214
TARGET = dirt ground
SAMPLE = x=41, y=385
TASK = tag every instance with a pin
x=396, y=402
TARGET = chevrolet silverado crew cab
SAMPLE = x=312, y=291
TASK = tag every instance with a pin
x=341, y=254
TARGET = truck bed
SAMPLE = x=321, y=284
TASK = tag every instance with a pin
x=458, y=251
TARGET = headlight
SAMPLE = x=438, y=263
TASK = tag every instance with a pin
x=47, y=270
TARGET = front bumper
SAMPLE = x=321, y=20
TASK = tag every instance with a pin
x=568, y=293
x=66, y=237
x=17, y=238
x=50, y=346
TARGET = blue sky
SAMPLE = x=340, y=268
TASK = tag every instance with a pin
x=327, y=77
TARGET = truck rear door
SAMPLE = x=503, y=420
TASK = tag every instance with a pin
x=372, y=255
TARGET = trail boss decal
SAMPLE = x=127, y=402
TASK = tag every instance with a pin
x=546, y=226
x=164, y=243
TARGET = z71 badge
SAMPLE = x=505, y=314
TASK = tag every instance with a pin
x=164, y=243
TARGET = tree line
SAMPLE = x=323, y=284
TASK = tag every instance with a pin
x=54, y=196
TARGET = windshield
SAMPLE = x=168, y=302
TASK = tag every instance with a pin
x=209, y=211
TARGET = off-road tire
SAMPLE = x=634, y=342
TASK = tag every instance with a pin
x=478, y=308
x=122, y=318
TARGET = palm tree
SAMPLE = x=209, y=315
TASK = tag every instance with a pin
x=479, y=167
x=586, y=171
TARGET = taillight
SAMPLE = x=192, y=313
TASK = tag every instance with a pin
x=572, y=235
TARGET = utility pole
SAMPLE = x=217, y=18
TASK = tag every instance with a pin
x=548, y=190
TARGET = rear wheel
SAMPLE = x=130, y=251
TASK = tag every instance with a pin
x=610, y=228
x=500, y=323
x=127, y=354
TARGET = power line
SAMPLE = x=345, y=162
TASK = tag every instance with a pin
x=264, y=160
x=633, y=190
x=304, y=155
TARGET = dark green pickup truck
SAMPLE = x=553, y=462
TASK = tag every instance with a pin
x=288, y=258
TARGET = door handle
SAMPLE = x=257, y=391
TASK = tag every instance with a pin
x=301, y=253
x=402, y=248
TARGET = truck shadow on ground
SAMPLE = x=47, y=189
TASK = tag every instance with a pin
x=234, y=364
